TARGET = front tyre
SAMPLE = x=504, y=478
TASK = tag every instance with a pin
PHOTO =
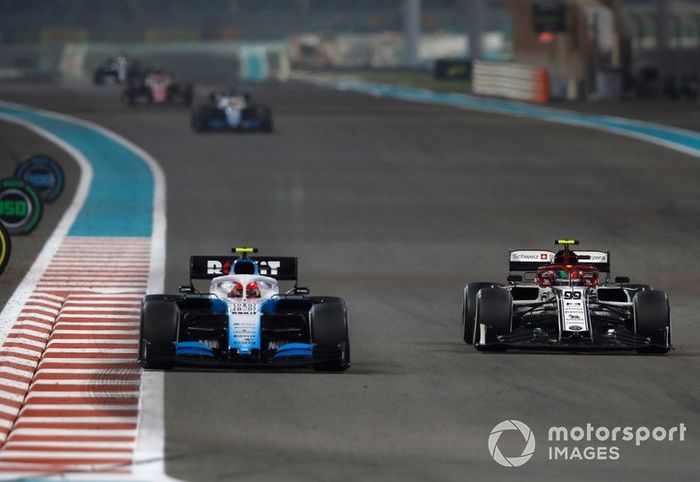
x=494, y=315
x=329, y=334
x=469, y=309
x=160, y=319
x=652, y=319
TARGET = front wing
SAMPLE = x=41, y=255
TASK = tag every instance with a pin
x=537, y=339
x=291, y=355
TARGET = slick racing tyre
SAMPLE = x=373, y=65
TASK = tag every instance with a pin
x=469, y=309
x=188, y=95
x=652, y=319
x=329, y=334
x=266, y=119
x=159, y=323
x=494, y=309
x=199, y=120
x=636, y=287
x=98, y=77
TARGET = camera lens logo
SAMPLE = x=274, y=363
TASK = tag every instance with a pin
x=527, y=451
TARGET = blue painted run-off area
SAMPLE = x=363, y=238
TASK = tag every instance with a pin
x=120, y=200
x=653, y=132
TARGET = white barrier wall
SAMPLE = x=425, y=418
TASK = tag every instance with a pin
x=196, y=61
x=510, y=80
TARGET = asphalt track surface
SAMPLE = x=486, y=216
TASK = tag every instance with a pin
x=395, y=206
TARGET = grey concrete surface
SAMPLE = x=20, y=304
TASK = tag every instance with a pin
x=395, y=206
x=16, y=143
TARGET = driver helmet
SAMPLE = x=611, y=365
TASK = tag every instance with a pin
x=236, y=291
x=565, y=256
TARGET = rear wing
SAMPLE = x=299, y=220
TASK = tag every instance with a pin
x=599, y=259
x=526, y=261
x=209, y=267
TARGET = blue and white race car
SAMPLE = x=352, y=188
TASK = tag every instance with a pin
x=244, y=320
x=231, y=111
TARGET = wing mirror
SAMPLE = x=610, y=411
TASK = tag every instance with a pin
x=622, y=279
x=300, y=290
x=514, y=278
x=188, y=289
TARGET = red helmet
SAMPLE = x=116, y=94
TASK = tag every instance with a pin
x=236, y=291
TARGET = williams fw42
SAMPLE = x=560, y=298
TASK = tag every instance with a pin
x=565, y=301
x=231, y=111
x=244, y=319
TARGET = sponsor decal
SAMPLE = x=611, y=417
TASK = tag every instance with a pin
x=242, y=308
x=218, y=268
x=20, y=206
x=44, y=174
x=269, y=268
x=531, y=256
x=214, y=267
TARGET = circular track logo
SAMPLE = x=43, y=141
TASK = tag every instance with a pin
x=44, y=174
x=20, y=206
x=527, y=452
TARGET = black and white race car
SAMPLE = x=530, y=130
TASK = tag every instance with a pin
x=565, y=301
x=243, y=319
x=231, y=111
x=113, y=71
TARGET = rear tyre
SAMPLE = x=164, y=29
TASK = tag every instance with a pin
x=189, y=95
x=130, y=98
x=266, y=117
x=494, y=309
x=159, y=323
x=329, y=332
x=652, y=319
x=469, y=309
x=198, y=120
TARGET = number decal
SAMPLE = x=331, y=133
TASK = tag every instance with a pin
x=572, y=295
x=10, y=207
x=20, y=206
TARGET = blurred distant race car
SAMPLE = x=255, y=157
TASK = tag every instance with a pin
x=113, y=71
x=565, y=301
x=231, y=111
x=244, y=319
x=157, y=86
